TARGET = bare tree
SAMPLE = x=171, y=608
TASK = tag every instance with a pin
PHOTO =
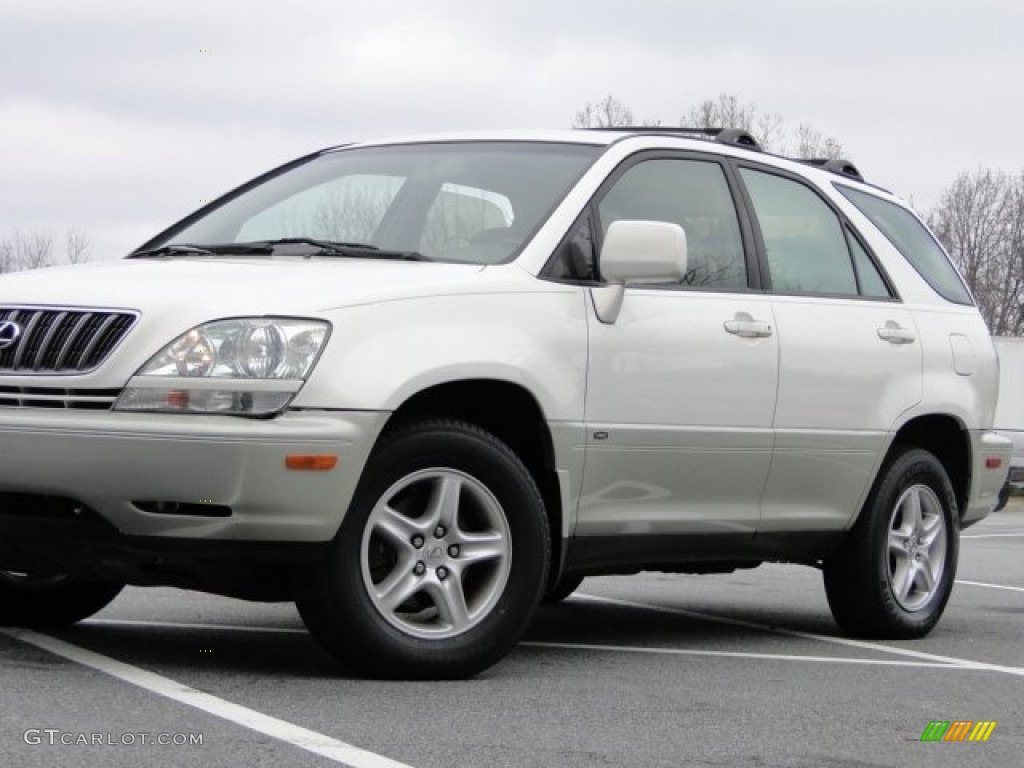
x=33, y=250
x=6, y=256
x=727, y=111
x=76, y=246
x=609, y=112
x=811, y=143
x=980, y=220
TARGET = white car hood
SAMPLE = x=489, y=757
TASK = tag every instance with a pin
x=225, y=286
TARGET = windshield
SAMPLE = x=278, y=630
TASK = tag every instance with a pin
x=465, y=202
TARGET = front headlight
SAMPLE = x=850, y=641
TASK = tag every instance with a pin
x=249, y=366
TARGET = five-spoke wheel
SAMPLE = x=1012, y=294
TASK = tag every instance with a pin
x=440, y=560
x=436, y=553
x=894, y=574
x=917, y=547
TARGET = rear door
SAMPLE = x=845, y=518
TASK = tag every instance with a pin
x=850, y=359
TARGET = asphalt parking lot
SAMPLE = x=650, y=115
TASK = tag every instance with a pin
x=647, y=670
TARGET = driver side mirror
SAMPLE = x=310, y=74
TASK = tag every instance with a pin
x=637, y=252
x=643, y=252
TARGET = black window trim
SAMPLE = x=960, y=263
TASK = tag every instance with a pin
x=587, y=217
x=590, y=209
x=845, y=224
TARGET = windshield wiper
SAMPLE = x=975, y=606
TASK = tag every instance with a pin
x=336, y=248
x=171, y=250
x=184, y=249
x=268, y=247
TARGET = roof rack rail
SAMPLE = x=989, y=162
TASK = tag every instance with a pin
x=835, y=165
x=735, y=136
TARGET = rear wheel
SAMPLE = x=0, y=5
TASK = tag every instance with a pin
x=50, y=601
x=895, y=573
x=439, y=562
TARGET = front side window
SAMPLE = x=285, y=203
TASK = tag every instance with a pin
x=472, y=202
x=805, y=245
x=695, y=195
x=913, y=240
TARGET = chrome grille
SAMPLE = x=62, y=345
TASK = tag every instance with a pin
x=61, y=340
x=56, y=397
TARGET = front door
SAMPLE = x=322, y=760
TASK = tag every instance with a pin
x=681, y=387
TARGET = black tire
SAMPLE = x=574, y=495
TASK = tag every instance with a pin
x=383, y=607
x=49, y=602
x=565, y=587
x=1004, y=497
x=886, y=583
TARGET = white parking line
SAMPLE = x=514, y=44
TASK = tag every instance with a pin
x=740, y=655
x=311, y=741
x=950, y=660
x=990, y=586
x=993, y=536
x=188, y=625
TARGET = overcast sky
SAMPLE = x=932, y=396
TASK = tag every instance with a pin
x=119, y=116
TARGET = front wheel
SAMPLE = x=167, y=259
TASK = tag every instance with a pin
x=51, y=601
x=894, y=574
x=439, y=562
x=566, y=585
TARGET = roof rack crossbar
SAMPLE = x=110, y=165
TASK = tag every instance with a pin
x=836, y=165
x=735, y=136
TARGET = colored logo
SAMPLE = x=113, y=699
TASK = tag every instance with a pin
x=958, y=730
x=10, y=331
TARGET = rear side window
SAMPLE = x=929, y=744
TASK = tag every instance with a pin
x=871, y=282
x=804, y=242
x=910, y=237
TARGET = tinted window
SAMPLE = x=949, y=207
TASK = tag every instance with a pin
x=871, y=281
x=695, y=195
x=913, y=240
x=804, y=241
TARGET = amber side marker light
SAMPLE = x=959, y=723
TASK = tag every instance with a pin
x=993, y=462
x=316, y=462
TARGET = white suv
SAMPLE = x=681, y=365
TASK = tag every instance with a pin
x=418, y=386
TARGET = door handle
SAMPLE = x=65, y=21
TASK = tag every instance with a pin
x=747, y=327
x=894, y=333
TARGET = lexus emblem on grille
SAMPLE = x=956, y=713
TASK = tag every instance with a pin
x=10, y=331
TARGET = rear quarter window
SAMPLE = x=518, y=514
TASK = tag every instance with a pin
x=912, y=239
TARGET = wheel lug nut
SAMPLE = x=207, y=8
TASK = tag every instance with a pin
x=417, y=541
x=442, y=573
x=420, y=568
x=453, y=550
x=439, y=532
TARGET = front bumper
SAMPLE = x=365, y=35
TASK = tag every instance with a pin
x=107, y=462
